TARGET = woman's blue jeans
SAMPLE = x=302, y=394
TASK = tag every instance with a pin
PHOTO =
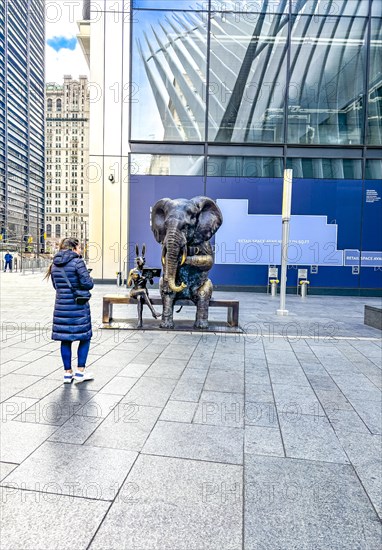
x=82, y=354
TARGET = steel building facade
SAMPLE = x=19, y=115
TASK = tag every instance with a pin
x=22, y=43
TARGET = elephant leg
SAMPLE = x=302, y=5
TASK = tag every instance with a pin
x=202, y=299
x=168, y=310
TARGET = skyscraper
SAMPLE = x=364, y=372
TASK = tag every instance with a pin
x=67, y=158
x=22, y=42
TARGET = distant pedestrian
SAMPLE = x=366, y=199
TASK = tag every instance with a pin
x=8, y=261
x=71, y=321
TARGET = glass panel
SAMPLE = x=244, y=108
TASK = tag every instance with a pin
x=376, y=8
x=325, y=168
x=248, y=6
x=327, y=81
x=373, y=170
x=331, y=7
x=247, y=78
x=166, y=165
x=194, y=5
x=245, y=167
x=169, y=76
x=374, y=114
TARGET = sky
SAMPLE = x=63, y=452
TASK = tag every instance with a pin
x=63, y=53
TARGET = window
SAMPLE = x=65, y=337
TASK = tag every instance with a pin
x=50, y=105
x=59, y=105
x=58, y=231
x=49, y=230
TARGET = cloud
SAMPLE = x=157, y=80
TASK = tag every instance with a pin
x=63, y=53
x=65, y=62
x=61, y=42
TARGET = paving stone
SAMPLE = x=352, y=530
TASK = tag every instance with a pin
x=347, y=421
x=258, y=393
x=12, y=407
x=281, y=357
x=172, y=369
x=5, y=469
x=11, y=384
x=9, y=366
x=119, y=385
x=134, y=370
x=365, y=454
x=187, y=390
x=220, y=409
x=297, y=504
x=263, y=441
x=32, y=355
x=41, y=388
x=76, y=470
x=99, y=406
x=363, y=395
x=311, y=438
x=39, y=520
x=152, y=392
x=201, y=499
x=260, y=414
x=19, y=439
x=333, y=400
x=296, y=400
x=194, y=375
x=196, y=441
x=127, y=427
x=76, y=430
x=371, y=414
x=224, y=381
x=288, y=374
x=42, y=367
x=58, y=406
x=322, y=381
x=179, y=411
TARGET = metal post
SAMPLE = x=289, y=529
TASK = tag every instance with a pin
x=286, y=213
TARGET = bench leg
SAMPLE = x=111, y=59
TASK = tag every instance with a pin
x=105, y=312
x=233, y=316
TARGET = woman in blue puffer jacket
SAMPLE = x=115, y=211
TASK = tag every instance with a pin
x=71, y=322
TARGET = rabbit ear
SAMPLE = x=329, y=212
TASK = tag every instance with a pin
x=136, y=250
x=143, y=249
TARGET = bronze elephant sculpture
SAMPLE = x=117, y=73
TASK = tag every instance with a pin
x=184, y=228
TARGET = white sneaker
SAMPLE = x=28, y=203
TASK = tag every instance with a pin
x=83, y=376
x=68, y=377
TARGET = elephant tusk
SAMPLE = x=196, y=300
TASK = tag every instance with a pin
x=184, y=256
x=164, y=252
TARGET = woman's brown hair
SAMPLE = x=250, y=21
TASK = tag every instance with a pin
x=69, y=243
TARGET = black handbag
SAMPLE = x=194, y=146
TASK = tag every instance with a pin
x=80, y=296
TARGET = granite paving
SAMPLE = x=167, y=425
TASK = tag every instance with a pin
x=266, y=440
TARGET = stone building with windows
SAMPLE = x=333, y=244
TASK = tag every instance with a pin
x=67, y=157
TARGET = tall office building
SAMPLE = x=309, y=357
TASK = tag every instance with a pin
x=67, y=158
x=22, y=43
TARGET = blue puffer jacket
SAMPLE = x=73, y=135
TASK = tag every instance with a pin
x=70, y=321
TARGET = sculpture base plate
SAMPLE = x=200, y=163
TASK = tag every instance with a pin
x=182, y=325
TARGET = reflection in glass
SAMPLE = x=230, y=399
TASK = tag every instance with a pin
x=245, y=167
x=327, y=80
x=373, y=169
x=169, y=72
x=374, y=115
x=249, y=6
x=247, y=77
x=194, y=5
x=325, y=168
x=166, y=165
x=332, y=8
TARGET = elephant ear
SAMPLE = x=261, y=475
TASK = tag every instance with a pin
x=210, y=219
x=158, y=218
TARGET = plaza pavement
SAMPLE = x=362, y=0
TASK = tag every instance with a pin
x=267, y=440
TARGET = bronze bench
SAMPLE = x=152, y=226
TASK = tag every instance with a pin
x=110, y=299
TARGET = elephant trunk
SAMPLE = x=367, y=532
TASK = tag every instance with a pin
x=174, y=246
